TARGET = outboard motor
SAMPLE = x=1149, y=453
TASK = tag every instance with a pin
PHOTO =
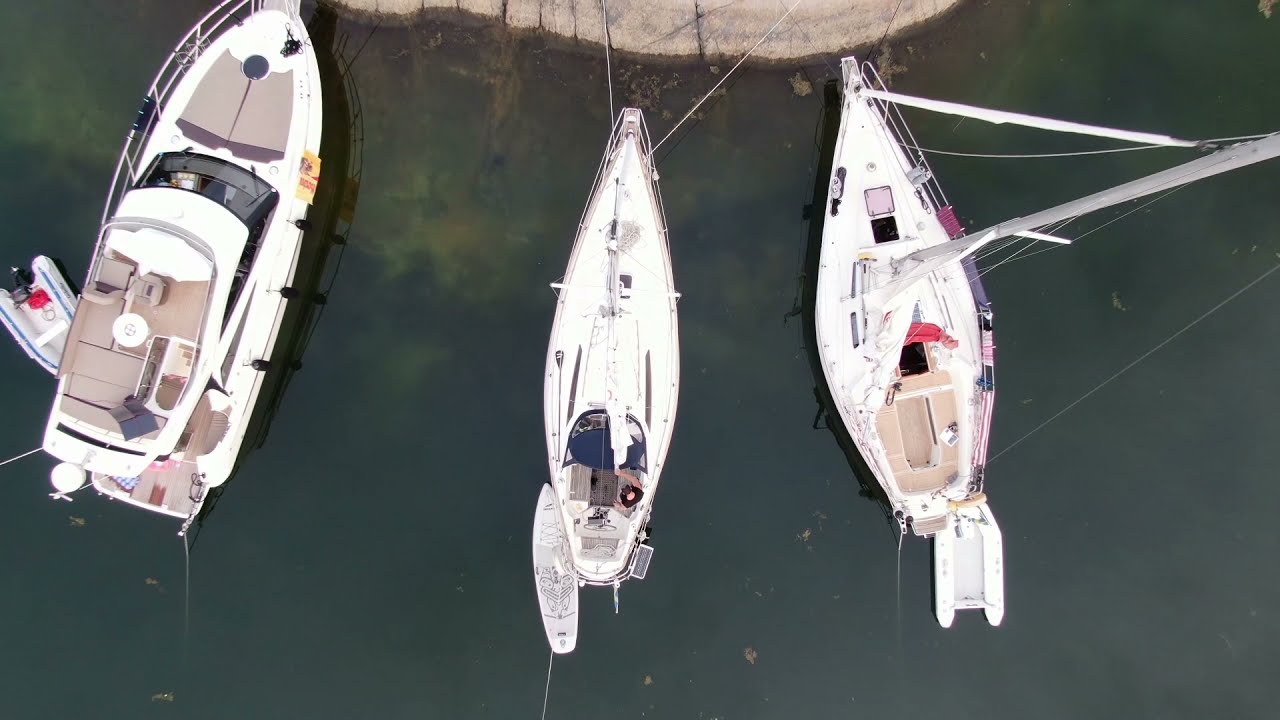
x=22, y=279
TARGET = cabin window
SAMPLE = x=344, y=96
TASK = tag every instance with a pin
x=247, y=196
x=854, y=329
x=884, y=229
x=914, y=360
x=625, y=280
x=228, y=364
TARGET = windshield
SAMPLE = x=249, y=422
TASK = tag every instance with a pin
x=247, y=196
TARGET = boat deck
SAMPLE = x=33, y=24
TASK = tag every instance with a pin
x=178, y=315
x=173, y=485
x=101, y=372
x=168, y=486
x=912, y=429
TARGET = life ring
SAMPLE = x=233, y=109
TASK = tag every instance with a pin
x=972, y=501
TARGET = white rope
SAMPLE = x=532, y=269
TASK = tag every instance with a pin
x=726, y=76
x=547, y=694
x=19, y=457
x=1131, y=365
x=608, y=67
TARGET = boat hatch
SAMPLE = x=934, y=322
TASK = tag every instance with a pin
x=914, y=360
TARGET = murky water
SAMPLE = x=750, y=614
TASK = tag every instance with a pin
x=371, y=559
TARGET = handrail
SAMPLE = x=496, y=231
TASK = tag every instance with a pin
x=901, y=132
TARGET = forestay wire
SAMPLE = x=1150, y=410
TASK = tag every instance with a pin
x=694, y=109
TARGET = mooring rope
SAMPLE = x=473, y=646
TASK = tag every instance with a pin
x=726, y=77
x=19, y=457
x=547, y=693
x=608, y=67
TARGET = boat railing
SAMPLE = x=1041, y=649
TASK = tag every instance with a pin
x=653, y=178
x=901, y=132
x=646, y=144
x=180, y=60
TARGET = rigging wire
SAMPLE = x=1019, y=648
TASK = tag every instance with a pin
x=608, y=66
x=1087, y=233
x=1132, y=364
x=697, y=105
x=1078, y=153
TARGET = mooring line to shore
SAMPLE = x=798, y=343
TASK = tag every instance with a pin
x=608, y=65
x=19, y=457
x=547, y=693
x=726, y=76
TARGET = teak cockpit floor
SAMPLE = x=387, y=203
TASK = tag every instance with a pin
x=911, y=427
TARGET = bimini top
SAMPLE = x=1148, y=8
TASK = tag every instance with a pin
x=589, y=443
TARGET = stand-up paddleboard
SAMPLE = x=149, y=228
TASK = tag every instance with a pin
x=38, y=311
x=557, y=588
x=968, y=565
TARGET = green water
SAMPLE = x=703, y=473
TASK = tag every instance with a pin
x=371, y=560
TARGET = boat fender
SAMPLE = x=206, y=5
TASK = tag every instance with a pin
x=972, y=501
x=67, y=477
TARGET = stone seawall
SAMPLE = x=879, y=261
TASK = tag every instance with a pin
x=712, y=29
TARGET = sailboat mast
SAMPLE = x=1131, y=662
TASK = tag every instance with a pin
x=927, y=260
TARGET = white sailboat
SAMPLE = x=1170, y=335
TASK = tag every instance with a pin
x=611, y=385
x=904, y=328
x=38, y=311
x=190, y=274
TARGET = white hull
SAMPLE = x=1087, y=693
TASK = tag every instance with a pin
x=42, y=331
x=613, y=371
x=240, y=104
x=968, y=566
x=556, y=583
x=909, y=367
